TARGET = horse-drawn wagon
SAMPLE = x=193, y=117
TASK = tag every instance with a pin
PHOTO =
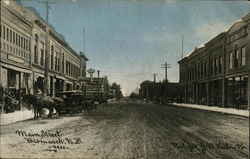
x=75, y=101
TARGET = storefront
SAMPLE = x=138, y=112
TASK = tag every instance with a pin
x=202, y=93
x=15, y=82
x=236, y=87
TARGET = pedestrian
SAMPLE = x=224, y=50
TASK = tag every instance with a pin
x=8, y=106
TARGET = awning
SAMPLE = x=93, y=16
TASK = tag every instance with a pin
x=38, y=75
x=19, y=69
x=67, y=82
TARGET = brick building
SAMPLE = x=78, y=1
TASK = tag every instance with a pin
x=22, y=57
x=218, y=72
x=150, y=90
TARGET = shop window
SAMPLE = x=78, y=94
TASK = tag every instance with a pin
x=243, y=56
x=244, y=86
x=236, y=58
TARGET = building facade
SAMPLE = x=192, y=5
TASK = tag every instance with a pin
x=23, y=52
x=218, y=72
x=151, y=90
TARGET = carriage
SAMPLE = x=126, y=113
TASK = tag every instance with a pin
x=75, y=101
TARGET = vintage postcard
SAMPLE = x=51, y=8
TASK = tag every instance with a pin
x=126, y=79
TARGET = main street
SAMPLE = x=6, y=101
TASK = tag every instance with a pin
x=130, y=129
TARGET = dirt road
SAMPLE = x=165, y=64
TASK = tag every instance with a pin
x=130, y=129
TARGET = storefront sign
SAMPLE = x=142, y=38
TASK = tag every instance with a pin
x=16, y=59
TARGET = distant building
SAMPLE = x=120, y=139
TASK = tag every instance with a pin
x=150, y=90
x=218, y=72
x=98, y=86
x=22, y=58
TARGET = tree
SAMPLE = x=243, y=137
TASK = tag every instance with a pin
x=117, y=89
x=134, y=95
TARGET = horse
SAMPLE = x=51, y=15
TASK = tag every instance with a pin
x=39, y=102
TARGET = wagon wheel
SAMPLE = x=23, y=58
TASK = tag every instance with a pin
x=87, y=108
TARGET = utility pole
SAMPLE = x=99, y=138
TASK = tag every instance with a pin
x=154, y=77
x=98, y=89
x=166, y=66
x=182, y=39
x=84, y=40
x=147, y=93
x=47, y=48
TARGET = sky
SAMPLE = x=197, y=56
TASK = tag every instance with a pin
x=128, y=40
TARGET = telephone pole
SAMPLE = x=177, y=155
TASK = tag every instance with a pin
x=182, y=39
x=47, y=48
x=98, y=89
x=154, y=77
x=84, y=40
x=166, y=66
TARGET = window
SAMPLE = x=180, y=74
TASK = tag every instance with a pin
x=63, y=63
x=192, y=73
x=3, y=32
x=24, y=43
x=236, y=58
x=42, y=54
x=216, y=65
x=58, y=62
x=230, y=60
x=205, y=69
x=220, y=64
x=35, y=49
x=202, y=69
x=7, y=34
x=14, y=37
x=29, y=45
x=55, y=61
x=51, y=57
x=66, y=67
x=243, y=56
x=11, y=36
x=199, y=73
x=35, y=54
x=211, y=66
x=19, y=41
x=42, y=57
